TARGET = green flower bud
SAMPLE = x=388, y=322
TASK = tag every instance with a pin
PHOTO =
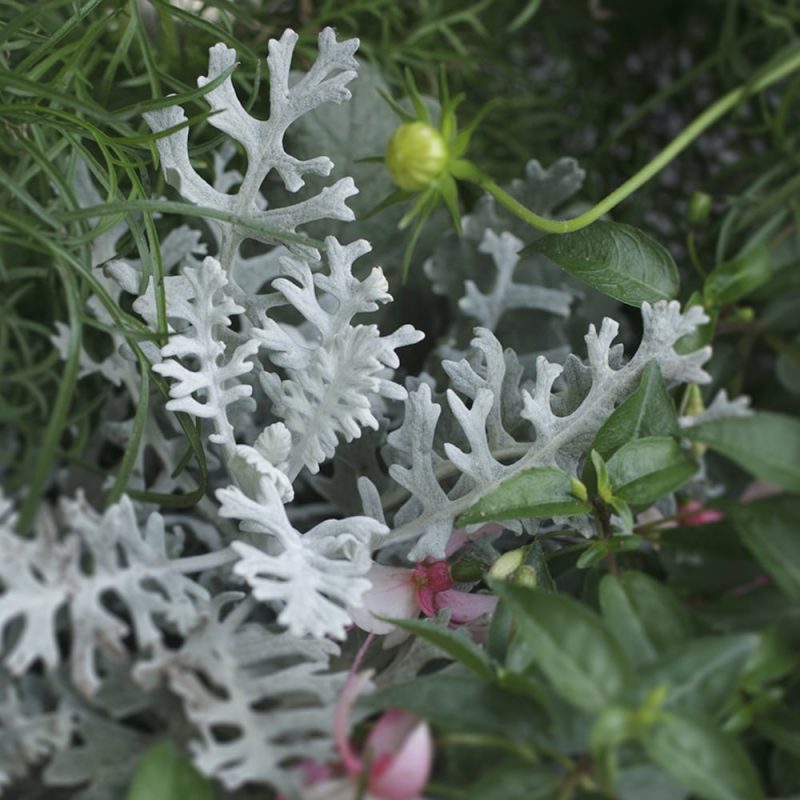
x=699, y=208
x=525, y=576
x=508, y=563
x=416, y=155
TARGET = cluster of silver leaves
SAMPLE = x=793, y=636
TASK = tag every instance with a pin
x=224, y=618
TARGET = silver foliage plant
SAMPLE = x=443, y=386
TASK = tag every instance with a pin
x=278, y=380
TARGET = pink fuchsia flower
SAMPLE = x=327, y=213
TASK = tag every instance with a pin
x=404, y=593
x=395, y=762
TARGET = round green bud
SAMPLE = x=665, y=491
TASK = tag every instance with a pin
x=525, y=576
x=699, y=208
x=416, y=155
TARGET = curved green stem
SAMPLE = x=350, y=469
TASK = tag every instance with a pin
x=728, y=102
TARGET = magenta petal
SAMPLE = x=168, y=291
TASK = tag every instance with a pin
x=404, y=776
x=466, y=607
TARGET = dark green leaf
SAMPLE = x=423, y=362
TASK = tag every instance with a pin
x=624, y=622
x=570, y=644
x=463, y=703
x=455, y=643
x=735, y=279
x=165, y=774
x=617, y=259
x=649, y=411
x=534, y=492
x=646, y=782
x=782, y=726
x=706, y=559
x=644, y=470
x=702, y=673
x=769, y=529
x=765, y=444
x=698, y=755
x=600, y=549
x=773, y=659
x=530, y=782
x=644, y=614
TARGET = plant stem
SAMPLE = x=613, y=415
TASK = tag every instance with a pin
x=713, y=113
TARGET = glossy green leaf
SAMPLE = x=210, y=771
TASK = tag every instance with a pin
x=530, y=782
x=765, y=444
x=649, y=411
x=737, y=278
x=456, y=644
x=701, y=674
x=644, y=470
x=644, y=614
x=698, y=755
x=166, y=774
x=534, y=492
x=624, y=621
x=602, y=548
x=769, y=529
x=570, y=644
x=462, y=703
x=618, y=260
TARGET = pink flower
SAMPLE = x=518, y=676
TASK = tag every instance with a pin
x=403, y=592
x=693, y=513
x=396, y=759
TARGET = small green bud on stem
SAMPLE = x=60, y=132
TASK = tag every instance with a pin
x=416, y=155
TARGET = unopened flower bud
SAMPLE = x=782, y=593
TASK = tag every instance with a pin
x=416, y=155
x=526, y=576
x=699, y=208
x=508, y=563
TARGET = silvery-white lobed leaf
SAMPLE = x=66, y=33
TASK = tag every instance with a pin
x=721, y=406
x=102, y=556
x=100, y=763
x=262, y=140
x=558, y=440
x=310, y=577
x=335, y=374
x=272, y=691
x=207, y=391
x=29, y=734
x=505, y=294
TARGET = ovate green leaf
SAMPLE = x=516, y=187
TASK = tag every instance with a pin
x=764, y=444
x=616, y=259
x=708, y=762
x=535, y=492
x=644, y=470
x=769, y=529
x=570, y=644
x=165, y=774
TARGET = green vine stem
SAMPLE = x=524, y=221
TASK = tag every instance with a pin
x=466, y=170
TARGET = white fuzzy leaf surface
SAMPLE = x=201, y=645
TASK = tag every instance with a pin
x=262, y=140
x=310, y=577
x=594, y=389
x=337, y=369
x=100, y=557
x=208, y=390
x=272, y=689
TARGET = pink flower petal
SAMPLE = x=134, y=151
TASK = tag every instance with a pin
x=693, y=513
x=341, y=727
x=390, y=731
x=403, y=776
x=465, y=607
x=393, y=594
